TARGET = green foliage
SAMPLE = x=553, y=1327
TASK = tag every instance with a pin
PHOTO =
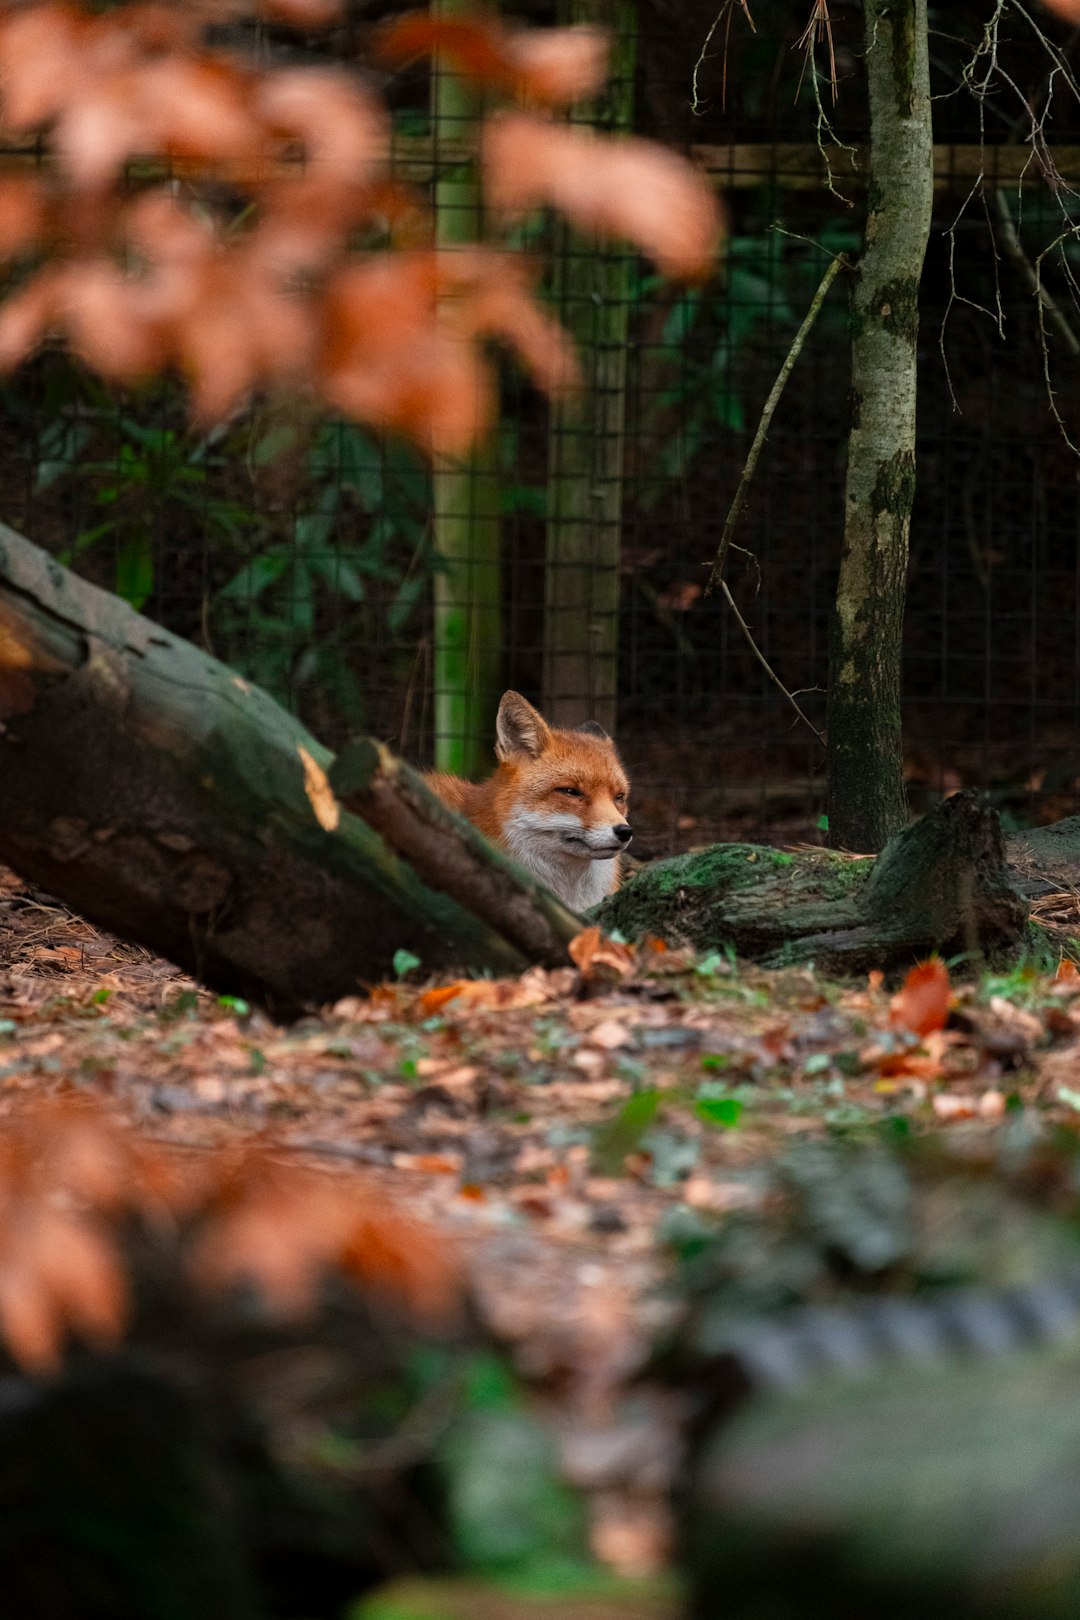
x=510, y=1513
x=361, y=530
x=625, y=1133
x=145, y=479
x=310, y=541
x=709, y=341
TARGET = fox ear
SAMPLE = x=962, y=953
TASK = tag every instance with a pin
x=593, y=728
x=519, y=729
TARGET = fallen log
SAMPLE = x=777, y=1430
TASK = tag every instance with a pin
x=155, y=791
x=941, y=884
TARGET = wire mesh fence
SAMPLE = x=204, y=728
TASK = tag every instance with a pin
x=375, y=593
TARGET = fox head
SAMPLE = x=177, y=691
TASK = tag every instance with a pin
x=569, y=790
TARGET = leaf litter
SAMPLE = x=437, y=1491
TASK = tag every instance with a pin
x=551, y=1131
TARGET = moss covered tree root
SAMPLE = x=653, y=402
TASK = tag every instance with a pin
x=941, y=884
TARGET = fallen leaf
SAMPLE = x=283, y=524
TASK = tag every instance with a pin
x=950, y=1107
x=610, y=1035
x=1066, y=981
x=922, y=1004
x=593, y=953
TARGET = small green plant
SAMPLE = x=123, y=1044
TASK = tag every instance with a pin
x=146, y=481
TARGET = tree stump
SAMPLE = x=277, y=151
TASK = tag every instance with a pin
x=941, y=884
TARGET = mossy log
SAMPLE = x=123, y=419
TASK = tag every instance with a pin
x=941, y=884
x=154, y=790
x=951, y=1492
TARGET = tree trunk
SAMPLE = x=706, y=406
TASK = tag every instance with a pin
x=467, y=501
x=866, y=798
x=586, y=435
x=165, y=798
x=941, y=884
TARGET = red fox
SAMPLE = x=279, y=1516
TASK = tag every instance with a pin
x=556, y=803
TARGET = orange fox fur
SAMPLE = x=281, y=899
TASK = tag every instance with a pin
x=557, y=802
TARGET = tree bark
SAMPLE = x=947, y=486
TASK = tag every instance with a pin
x=866, y=799
x=165, y=798
x=941, y=884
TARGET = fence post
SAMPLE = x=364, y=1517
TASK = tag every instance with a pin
x=586, y=435
x=466, y=499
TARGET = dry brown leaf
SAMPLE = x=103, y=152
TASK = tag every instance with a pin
x=952, y=1106
x=480, y=994
x=594, y=954
x=1066, y=981
x=628, y=188
x=610, y=1035
x=922, y=1003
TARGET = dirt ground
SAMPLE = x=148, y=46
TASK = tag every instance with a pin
x=551, y=1127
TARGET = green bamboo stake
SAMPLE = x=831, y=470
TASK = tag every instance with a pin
x=586, y=435
x=468, y=584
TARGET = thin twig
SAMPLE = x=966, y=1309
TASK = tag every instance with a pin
x=1010, y=241
x=716, y=572
x=697, y=106
x=766, y=666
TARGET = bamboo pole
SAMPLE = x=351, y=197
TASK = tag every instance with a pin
x=586, y=434
x=468, y=583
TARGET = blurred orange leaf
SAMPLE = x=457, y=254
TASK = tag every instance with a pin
x=556, y=66
x=311, y=14
x=922, y=1003
x=594, y=954
x=344, y=131
x=1066, y=981
x=628, y=188
x=387, y=358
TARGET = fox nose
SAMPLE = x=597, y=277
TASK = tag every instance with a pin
x=623, y=832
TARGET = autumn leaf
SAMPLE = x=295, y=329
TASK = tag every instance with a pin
x=1066, y=981
x=309, y=14
x=595, y=955
x=559, y=66
x=554, y=66
x=23, y=214
x=922, y=1003
x=386, y=358
x=343, y=131
x=628, y=188
x=42, y=63
x=282, y=1229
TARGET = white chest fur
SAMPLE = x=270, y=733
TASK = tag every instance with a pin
x=579, y=884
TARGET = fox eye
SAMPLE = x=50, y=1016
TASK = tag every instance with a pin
x=571, y=792
x=620, y=798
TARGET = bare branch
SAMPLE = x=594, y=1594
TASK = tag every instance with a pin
x=715, y=580
x=766, y=666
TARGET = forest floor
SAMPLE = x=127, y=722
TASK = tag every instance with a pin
x=556, y=1128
